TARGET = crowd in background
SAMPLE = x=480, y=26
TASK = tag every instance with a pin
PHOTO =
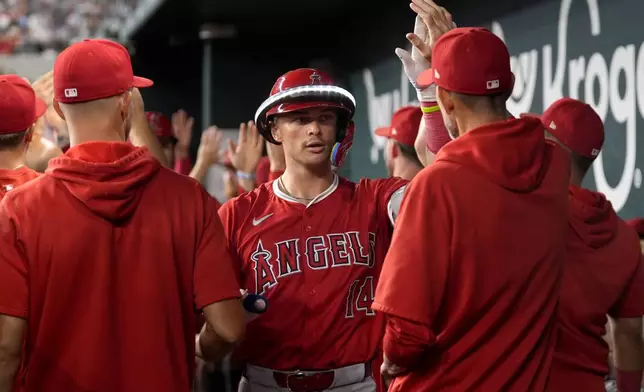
x=51, y=25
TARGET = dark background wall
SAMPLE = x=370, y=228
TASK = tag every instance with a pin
x=245, y=68
x=357, y=44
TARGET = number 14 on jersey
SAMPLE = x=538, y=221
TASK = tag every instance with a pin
x=360, y=297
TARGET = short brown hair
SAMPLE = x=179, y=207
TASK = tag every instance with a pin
x=409, y=152
x=9, y=141
x=494, y=103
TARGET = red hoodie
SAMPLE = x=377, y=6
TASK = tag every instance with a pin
x=603, y=275
x=107, y=255
x=470, y=283
x=9, y=179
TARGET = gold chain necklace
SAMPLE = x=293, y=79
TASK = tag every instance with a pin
x=280, y=182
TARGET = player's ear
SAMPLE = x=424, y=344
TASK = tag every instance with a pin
x=395, y=148
x=445, y=99
x=58, y=110
x=30, y=133
x=125, y=104
x=275, y=131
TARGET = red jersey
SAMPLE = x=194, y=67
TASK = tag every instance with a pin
x=9, y=179
x=603, y=275
x=318, y=265
x=470, y=284
x=107, y=256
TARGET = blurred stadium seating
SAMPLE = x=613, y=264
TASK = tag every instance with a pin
x=37, y=26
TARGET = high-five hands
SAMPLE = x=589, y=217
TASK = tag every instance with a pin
x=432, y=21
x=182, y=129
x=437, y=20
x=210, y=146
x=245, y=155
x=415, y=63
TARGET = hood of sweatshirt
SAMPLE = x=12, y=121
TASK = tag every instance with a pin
x=511, y=153
x=592, y=217
x=107, y=177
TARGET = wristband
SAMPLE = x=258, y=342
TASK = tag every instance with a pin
x=430, y=109
x=435, y=131
x=245, y=176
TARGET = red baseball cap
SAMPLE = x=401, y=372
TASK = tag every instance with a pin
x=19, y=106
x=576, y=125
x=470, y=60
x=404, y=125
x=94, y=69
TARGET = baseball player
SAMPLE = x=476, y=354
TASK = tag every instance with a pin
x=312, y=243
x=400, y=156
x=604, y=273
x=470, y=296
x=20, y=109
x=105, y=256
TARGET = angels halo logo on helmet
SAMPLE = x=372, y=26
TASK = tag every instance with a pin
x=307, y=88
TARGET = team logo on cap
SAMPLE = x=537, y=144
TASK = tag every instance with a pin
x=594, y=152
x=315, y=78
x=492, y=84
x=71, y=93
x=552, y=125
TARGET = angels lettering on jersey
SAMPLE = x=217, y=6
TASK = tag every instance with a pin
x=273, y=262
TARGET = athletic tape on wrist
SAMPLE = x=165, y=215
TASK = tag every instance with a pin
x=427, y=94
x=435, y=131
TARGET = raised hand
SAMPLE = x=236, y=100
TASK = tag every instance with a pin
x=182, y=128
x=209, y=146
x=437, y=20
x=44, y=87
x=245, y=155
x=415, y=63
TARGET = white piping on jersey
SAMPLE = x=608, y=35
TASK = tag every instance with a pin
x=334, y=185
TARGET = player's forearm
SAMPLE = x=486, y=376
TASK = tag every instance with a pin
x=435, y=131
x=405, y=342
x=628, y=344
x=199, y=170
x=9, y=364
x=210, y=346
x=141, y=135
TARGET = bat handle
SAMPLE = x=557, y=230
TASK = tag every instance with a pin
x=255, y=303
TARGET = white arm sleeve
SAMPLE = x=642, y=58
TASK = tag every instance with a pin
x=393, y=207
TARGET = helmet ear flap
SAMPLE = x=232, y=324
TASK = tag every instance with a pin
x=341, y=147
x=342, y=125
x=267, y=131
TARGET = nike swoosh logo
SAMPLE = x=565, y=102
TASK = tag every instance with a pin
x=260, y=220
